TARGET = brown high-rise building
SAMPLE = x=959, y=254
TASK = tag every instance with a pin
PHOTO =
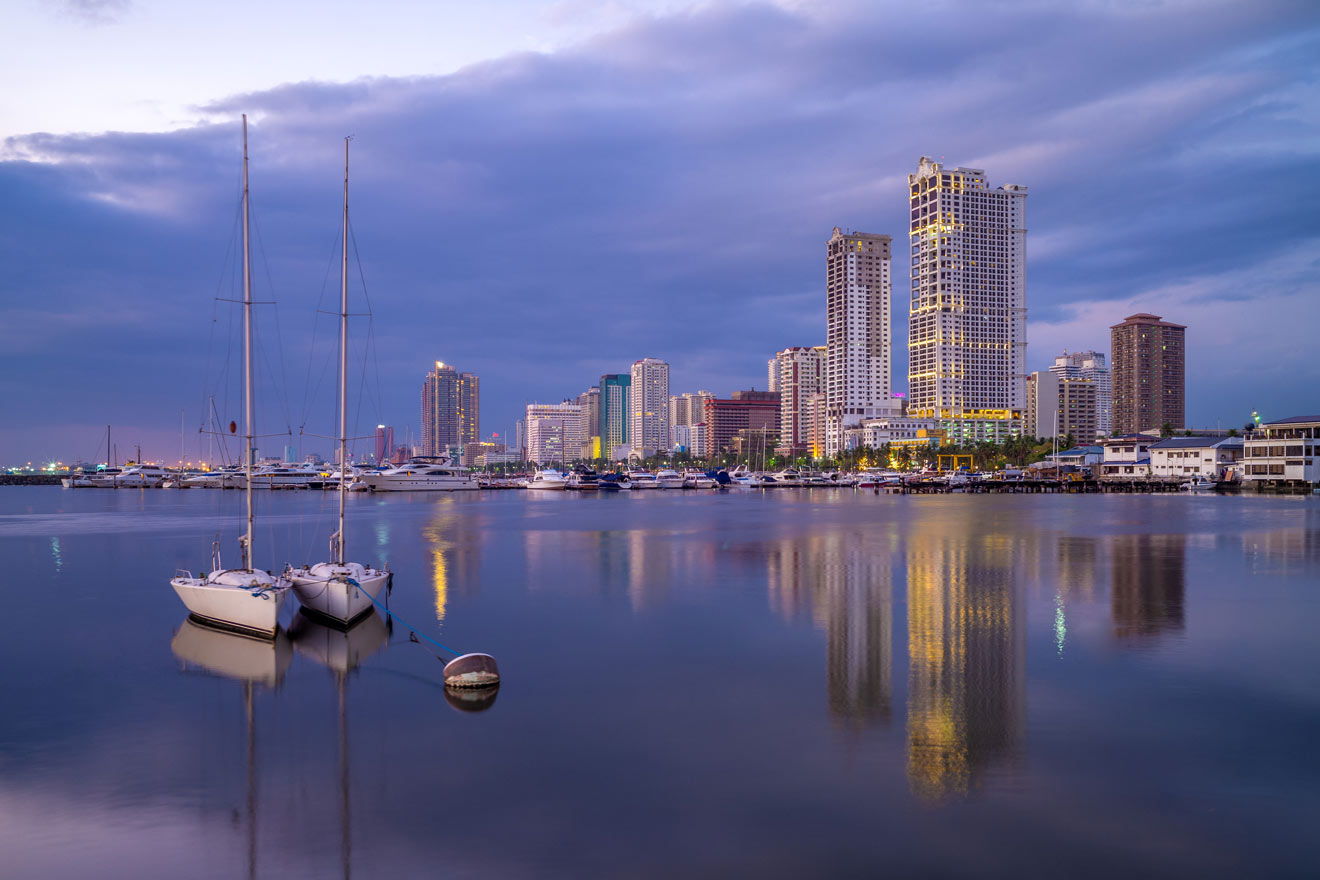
x=1149, y=374
x=451, y=410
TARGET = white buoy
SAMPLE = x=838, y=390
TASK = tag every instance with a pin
x=472, y=671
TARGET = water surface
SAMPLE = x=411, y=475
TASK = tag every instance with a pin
x=781, y=684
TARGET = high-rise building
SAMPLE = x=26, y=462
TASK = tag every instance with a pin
x=1149, y=380
x=648, y=408
x=589, y=402
x=1094, y=366
x=384, y=443
x=685, y=410
x=451, y=410
x=752, y=414
x=554, y=432
x=1068, y=404
x=614, y=394
x=967, y=340
x=858, y=333
x=799, y=373
x=772, y=374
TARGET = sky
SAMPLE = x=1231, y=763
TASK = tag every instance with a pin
x=545, y=192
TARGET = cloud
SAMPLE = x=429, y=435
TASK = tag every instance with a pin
x=666, y=190
x=96, y=12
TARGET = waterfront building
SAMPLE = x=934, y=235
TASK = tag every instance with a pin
x=520, y=438
x=1149, y=374
x=967, y=340
x=772, y=375
x=1283, y=453
x=554, y=432
x=451, y=408
x=589, y=402
x=1069, y=404
x=1090, y=365
x=1190, y=457
x=685, y=410
x=1126, y=457
x=815, y=410
x=384, y=443
x=900, y=431
x=858, y=287
x=648, y=408
x=474, y=453
x=615, y=391
x=755, y=414
x=799, y=374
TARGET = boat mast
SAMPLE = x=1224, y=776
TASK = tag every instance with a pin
x=343, y=371
x=248, y=451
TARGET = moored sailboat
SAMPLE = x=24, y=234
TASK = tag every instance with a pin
x=244, y=598
x=338, y=590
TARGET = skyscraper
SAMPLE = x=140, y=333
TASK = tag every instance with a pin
x=967, y=340
x=685, y=411
x=451, y=410
x=614, y=393
x=384, y=442
x=554, y=432
x=589, y=402
x=1149, y=373
x=1068, y=404
x=648, y=407
x=858, y=332
x=1090, y=365
x=799, y=373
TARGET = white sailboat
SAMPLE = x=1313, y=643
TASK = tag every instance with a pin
x=340, y=591
x=244, y=598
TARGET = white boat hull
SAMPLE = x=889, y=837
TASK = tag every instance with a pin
x=419, y=484
x=341, y=593
x=248, y=601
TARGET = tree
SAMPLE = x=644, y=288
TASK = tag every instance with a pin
x=1166, y=430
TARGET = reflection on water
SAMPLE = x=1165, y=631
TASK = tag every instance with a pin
x=1148, y=581
x=967, y=659
x=451, y=537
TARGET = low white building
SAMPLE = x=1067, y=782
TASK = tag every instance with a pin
x=1285, y=451
x=1080, y=456
x=1213, y=458
x=1126, y=457
x=879, y=432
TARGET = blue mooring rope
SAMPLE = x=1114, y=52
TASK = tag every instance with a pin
x=403, y=622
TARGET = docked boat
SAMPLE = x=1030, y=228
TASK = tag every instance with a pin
x=643, y=479
x=422, y=474
x=223, y=478
x=1199, y=484
x=699, y=480
x=289, y=475
x=246, y=598
x=789, y=477
x=133, y=476
x=741, y=478
x=337, y=590
x=668, y=478
x=583, y=479
x=613, y=482
x=548, y=479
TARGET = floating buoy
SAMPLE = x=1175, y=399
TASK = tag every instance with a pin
x=472, y=671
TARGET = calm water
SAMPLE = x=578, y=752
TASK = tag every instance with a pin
x=789, y=684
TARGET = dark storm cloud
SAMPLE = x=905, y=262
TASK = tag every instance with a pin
x=666, y=191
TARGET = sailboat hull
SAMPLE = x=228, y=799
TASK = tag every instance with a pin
x=246, y=601
x=339, y=594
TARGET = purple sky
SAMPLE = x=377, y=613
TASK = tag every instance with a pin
x=666, y=189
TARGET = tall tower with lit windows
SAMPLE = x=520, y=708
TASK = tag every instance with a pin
x=967, y=333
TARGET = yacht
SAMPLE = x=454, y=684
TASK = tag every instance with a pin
x=338, y=590
x=583, y=479
x=422, y=475
x=1198, y=484
x=643, y=479
x=133, y=476
x=669, y=479
x=699, y=480
x=789, y=477
x=244, y=598
x=613, y=482
x=548, y=479
x=741, y=478
x=286, y=476
x=223, y=478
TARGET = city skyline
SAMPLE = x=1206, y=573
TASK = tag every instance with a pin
x=115, y=235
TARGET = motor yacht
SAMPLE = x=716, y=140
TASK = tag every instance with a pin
x=669, y=479
x=789, y=477
x=583, y=479
x=288, y=475
x=133, y=476
x=613, y=482
x=548, y=479
x=422, y=475
x=643, y=479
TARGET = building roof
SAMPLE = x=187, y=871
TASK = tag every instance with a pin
x=1126, y=438
x=1083, y=450
x=1146, y=318
x=1196, y=442
x=1295, y=420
